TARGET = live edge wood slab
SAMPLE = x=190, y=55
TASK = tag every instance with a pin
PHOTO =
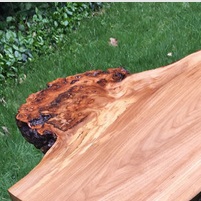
x=111, y=135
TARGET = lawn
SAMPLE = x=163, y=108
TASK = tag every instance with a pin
x=149, y=35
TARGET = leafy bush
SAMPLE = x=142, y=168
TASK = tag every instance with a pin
x=35, y=29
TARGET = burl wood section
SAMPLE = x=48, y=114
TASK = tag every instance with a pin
x=116, y=136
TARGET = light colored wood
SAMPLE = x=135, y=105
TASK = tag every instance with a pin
x=141, y=142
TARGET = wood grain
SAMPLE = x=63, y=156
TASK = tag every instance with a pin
x=65, y=103
x=141, y=141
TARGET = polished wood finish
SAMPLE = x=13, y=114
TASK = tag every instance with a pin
x=140, y=139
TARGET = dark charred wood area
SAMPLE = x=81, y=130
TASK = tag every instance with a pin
x=63, y=104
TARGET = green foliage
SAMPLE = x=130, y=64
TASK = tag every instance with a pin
x=36, y=29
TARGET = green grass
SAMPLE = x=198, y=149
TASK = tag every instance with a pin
x=146, y=32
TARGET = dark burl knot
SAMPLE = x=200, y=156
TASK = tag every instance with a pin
x=63, y=104
x=43, y=142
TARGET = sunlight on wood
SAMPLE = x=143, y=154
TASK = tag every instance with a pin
x=138, y=139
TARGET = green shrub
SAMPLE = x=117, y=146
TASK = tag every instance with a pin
x=36, y=29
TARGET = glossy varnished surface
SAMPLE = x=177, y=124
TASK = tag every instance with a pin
x=63, y=104
x=140, y=141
